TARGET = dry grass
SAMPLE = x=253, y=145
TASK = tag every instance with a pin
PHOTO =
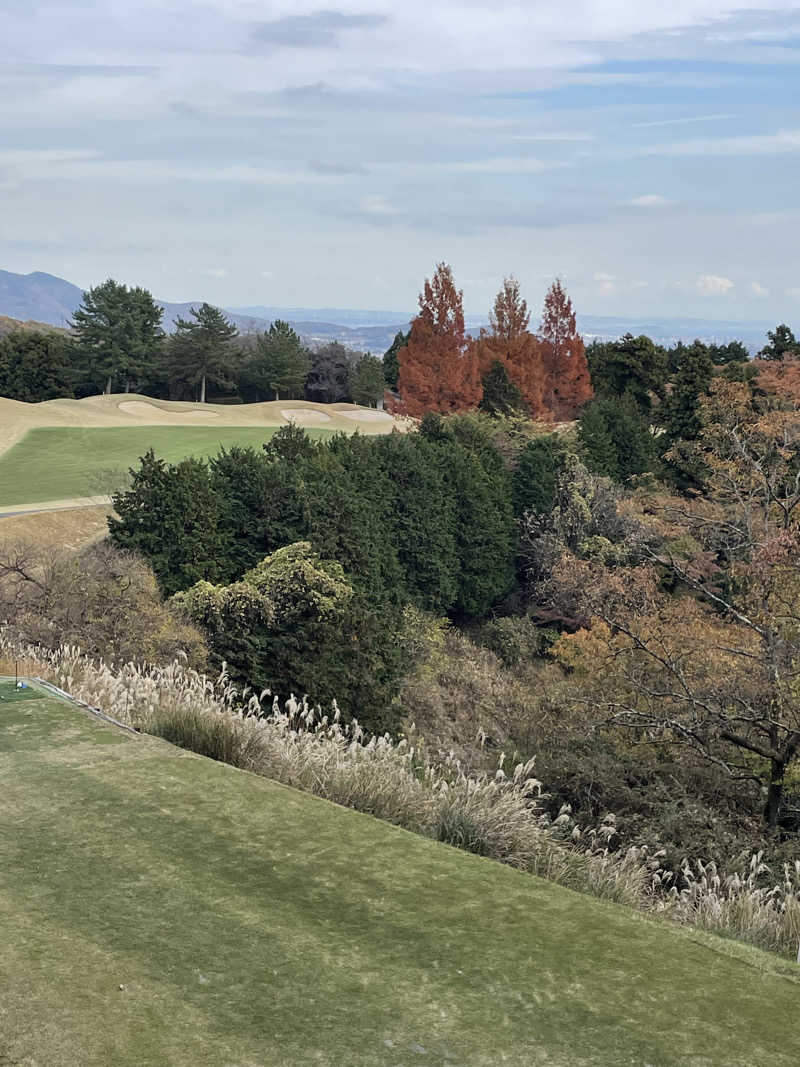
x=70, y=529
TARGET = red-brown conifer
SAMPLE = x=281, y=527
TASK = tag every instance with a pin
x=510, y=341
x=438, y=366
x=567, y=385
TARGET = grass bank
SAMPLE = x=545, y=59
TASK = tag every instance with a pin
x=56, y=463
x=162, y=908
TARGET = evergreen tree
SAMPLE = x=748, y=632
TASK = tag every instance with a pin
x=632, y=366
x=280, y=363
x=118, y=332
x=329, y=378
x=422, y=520
x=616, y=438
x=367, y=383
x=681, y=417
x=203, y=350
x=500, y=395
x=535, y=477
x=37, y=365
x=782, y=342
x=391, y=366
x=732, y=352
x=438, y=366
x=171, y=515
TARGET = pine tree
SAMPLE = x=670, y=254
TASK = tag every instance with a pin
x=118, y=332
x=782, y=342
x=511, y=343
x=203, y=351
x=681, y=417
x=597, y=443
x=567, y=387
x=280, y=363
x=500, y=395
x=367, y=383
x=631, y=366
x=438, y=366
x=535, y=477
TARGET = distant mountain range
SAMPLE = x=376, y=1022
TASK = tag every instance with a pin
x=48, y=299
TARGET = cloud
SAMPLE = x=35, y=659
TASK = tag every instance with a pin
x=681, y=121
x=755, y=145
x=321, y=29
x=793, y=293
x=649, y=200
x=758, y=290
x=713, y=285
x=376, y=204
x=606, y=283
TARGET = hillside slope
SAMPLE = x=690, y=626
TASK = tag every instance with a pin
x=162, y=909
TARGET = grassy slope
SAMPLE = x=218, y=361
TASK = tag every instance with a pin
x=55, y=463
x=254, y=926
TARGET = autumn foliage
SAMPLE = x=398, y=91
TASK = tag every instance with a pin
x=438, y=366
x=509, y=341
x=567, y=385
x=441, y=367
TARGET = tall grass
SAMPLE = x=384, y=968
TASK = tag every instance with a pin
x=496, y=814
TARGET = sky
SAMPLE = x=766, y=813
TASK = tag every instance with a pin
x=297, y=154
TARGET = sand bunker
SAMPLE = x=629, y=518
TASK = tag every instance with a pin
x=304, y=416
x=367, y=415
x=144, y=410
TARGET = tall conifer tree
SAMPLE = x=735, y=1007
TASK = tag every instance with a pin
x=568, y=387
x=438, y=366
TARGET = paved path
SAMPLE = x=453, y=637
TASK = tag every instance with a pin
x=9, y=510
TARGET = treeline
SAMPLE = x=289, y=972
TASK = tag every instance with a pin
x=117, y=344
x=420, y=519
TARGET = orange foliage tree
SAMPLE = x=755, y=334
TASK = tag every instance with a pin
x=510, y=341
x=438, y=366
x=567, y=385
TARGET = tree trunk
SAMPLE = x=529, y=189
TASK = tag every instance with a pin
x=774, y=793
x=127, y=386
x=276, y=395
x=203, y=389
x=108, y=386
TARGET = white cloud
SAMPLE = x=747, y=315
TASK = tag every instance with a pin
x=687, y=120
x=606, y=283
x=649, y=200
x=758, y=290
x=376, y=204
x=756, y=145
x=713, y=285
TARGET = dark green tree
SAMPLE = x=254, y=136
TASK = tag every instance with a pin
x=328, y=380
x=500, y=395
x=679, y=415
x=203, y=350
x=367, y=383
x=37, y=365
x=280, y=362
x=391, y=364
x=118, y=332
x=535, y=477
x=422, y=517
x=171, y=515
x=732, y=352
x=615, y=438
x=632, y=366
x=782, y=342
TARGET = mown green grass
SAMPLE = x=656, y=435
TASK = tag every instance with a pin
x=158, y=909
x=56, y=463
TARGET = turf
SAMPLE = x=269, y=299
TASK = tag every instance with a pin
x=161, y=909
x=57, y=463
